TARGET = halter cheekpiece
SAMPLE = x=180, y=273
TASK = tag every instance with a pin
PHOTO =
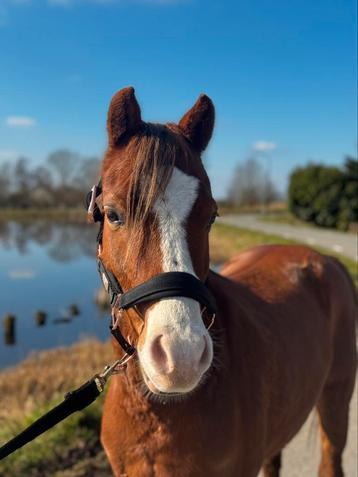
x=163, y=285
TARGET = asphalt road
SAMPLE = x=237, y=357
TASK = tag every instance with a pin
x=339, y=242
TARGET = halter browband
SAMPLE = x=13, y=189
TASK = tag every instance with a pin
x=163, y=285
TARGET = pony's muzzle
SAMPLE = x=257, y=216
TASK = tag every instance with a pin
x=174, y=365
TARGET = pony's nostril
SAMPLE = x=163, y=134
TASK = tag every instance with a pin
x=158, y=353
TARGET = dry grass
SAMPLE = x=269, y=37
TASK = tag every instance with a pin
x=47, y=375
x=72, y=448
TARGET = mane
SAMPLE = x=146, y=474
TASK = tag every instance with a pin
x=145, y=172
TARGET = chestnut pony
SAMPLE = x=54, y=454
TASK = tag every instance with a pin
x=225, y=401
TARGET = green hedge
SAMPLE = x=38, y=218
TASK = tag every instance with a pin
x=325, y=195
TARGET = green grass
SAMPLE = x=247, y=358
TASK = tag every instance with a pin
x=284, y=217
x=58, y=450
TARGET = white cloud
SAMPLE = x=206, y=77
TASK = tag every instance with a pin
x=20, y=121
x=264, y=146
x=8, y=155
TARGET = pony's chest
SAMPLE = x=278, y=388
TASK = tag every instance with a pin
x=171, y=462
x=196, y=438
x=184, y=449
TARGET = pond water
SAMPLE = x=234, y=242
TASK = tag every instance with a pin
x=48, y=266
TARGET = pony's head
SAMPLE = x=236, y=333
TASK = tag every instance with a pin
x=158, y=211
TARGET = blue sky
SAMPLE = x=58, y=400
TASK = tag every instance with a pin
x=281, y=73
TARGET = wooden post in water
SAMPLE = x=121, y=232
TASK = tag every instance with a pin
x=74, y=310
x=40, y=318
x=9, y=322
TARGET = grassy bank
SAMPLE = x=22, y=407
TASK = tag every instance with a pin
x=68, y=215
x=226, y=208
x=285, y=217
x=72, y=449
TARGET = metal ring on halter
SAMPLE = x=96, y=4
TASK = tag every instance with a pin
x=115, y=368
x=212, y=318
x=115, y=319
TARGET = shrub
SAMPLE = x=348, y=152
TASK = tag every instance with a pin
x=325, y=195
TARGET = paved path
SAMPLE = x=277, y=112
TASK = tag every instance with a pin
x=340, y=242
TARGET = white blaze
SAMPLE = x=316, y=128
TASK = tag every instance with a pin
x=172, y=211
x=177, y=319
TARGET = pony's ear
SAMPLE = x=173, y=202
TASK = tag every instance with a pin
x=198, y=123
x=123, y=116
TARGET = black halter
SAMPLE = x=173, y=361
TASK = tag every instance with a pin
x=163, y=285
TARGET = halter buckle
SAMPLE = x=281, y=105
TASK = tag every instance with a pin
x=92, y=203
x=211, y=322
x=114, y=307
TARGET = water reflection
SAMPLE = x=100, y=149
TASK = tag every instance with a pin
x=48, y=280
x=63, y=242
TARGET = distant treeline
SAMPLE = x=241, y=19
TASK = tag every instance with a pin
x=325, y=195
x=62, y=181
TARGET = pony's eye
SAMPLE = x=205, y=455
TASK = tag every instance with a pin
x=212, y=219
x=114, y=217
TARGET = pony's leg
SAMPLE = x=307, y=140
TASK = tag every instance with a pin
x=333, y=410
x=272, y=466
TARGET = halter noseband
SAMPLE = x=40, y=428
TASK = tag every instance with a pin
x=163, y=285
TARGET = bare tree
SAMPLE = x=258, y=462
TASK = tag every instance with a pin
x=61, y=182
x=249, y=185
x=88, y=173
x=5, y=183
x=64, y=164
x=42, y=194
x=22, y=183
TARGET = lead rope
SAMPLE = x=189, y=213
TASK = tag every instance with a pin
x=75, y=400
x=87, y=393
